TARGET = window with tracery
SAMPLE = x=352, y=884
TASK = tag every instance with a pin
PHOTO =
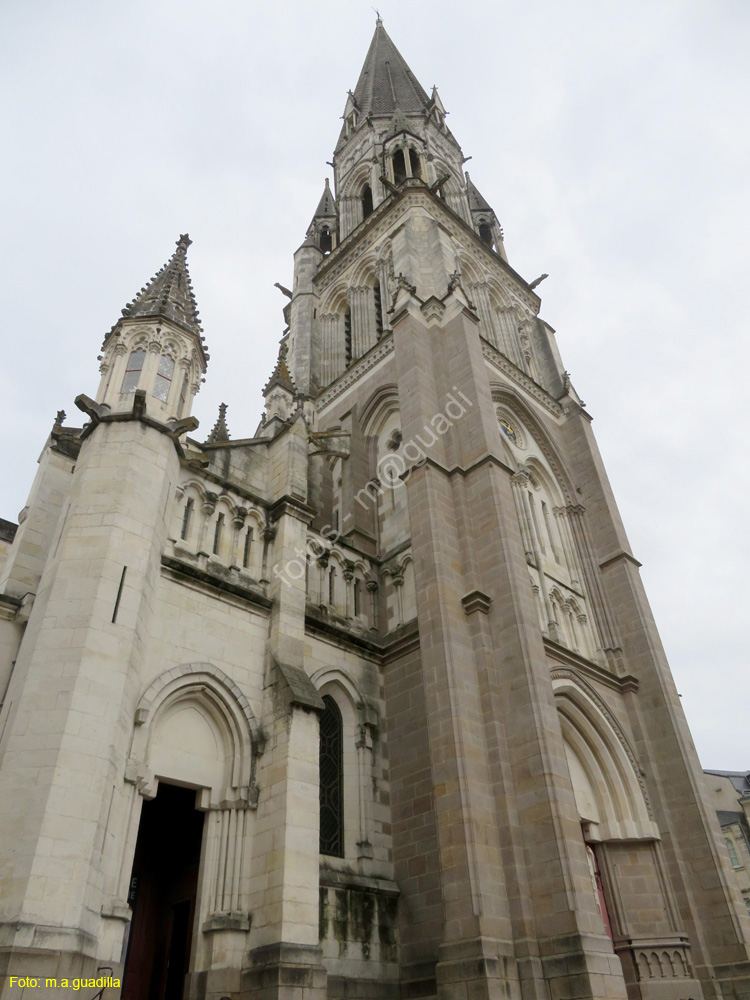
x=331, y=780
x=163, y=379
x=133, y=370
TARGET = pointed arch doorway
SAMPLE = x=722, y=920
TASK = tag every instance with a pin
x=163, y=895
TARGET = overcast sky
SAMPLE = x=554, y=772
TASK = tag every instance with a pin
x=611, y=138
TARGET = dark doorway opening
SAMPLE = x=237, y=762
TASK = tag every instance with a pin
x=163, y=891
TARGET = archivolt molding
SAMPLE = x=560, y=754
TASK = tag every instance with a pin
x=192, y=674
x=524, y=381
x=383, y=402
x=335, y=675
x=577, y=682
x=366, y=712
x=502, y=396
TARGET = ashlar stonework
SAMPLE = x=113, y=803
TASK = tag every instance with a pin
x=369, y=704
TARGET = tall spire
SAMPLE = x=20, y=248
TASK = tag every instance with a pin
x=169, y=294
x=386, y=82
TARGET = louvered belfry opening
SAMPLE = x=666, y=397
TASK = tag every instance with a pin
x=366, y=201
x=399, y=167
x=331, y=780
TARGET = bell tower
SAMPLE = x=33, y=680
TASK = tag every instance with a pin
x=539, y=758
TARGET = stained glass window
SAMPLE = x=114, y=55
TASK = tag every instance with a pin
x=163, y=378
x=133, y=371
x=331, y=780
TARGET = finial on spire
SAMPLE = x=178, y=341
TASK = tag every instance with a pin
x=378, y=18
x=169, y=294
x=220, y=432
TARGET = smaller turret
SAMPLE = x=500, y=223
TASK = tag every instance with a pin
x=279, y=394
x=323, y=230
x=157, y=345
x=484, y=219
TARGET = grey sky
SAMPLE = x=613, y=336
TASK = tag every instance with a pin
x=612, y=140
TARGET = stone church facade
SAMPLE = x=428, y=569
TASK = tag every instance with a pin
x=370, y=704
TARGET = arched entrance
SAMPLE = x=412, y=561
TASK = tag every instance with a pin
x=192, y=760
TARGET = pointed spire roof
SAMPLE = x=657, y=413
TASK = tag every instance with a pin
x=169, y=294
x=386, y=82
x=220, y=432
x=327, y=205
x=280, y=375
x=477, y=202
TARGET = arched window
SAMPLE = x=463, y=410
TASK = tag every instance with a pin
x=326, y=240
x=186, y=518
x=217, y=533
x=332, y=586
x=399, y=166
x=331, y=780
x=733, y=853
x=163, y=379
x=357, y=601
x=133, y=371
x=415, y=163
x=485, y=233
x=366, y=201
x=248, y=547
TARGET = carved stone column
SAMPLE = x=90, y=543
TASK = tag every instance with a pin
x=363, y=319
x=480, y=294
x=207, y=508
x=332, y=348
x=599, y=605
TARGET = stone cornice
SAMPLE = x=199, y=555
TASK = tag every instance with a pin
x=212, y=584
x=521, y=379
x=566, y=658
x=353, y=374
x=326, y=628
x=99, y=413
x=616, y=557
x=226, y=484
x=294, y=506
x=333, y=879
x=401, y=641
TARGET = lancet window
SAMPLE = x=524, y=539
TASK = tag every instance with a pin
x=331, y=780
x=133, y=370
x=163, y=379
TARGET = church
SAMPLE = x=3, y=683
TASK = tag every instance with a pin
x=369, y=703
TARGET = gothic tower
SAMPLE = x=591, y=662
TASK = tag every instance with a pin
x=370, y=702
